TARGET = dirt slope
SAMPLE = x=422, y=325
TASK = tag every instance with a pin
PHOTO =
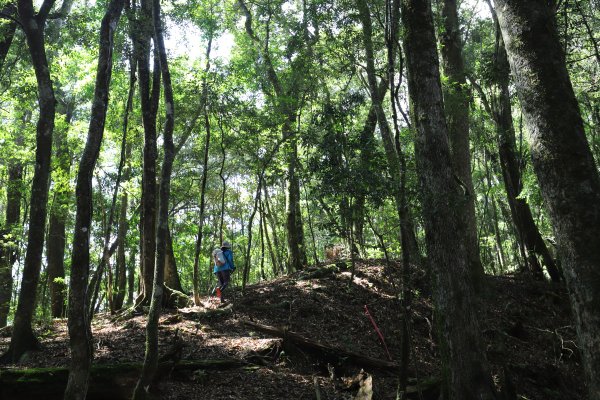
x=526, y=324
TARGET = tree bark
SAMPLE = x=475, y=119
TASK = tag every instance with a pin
x=465, y=371
x=294, y=225
x=394, y=158
x=456, y=102
x=79, y=318
x=8, y=236
x=171, y=275
x=23, y=338
x=55, y=248
x=562, y=161
x=141, y=34
x=528, y=234
x=151, y=356
x=204, y=101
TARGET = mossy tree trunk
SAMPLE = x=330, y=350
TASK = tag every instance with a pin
x=465, y=370
x=456, y=102
x=562, y=160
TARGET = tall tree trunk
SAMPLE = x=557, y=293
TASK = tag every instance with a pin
x=204, y=101
x=223, y=183
x=121, y=263
x=79, y=320
x=246, y=274
x=394, y=159
x=295, y=228
x=465, y=371
x=273, y=224
x=8, y=236
x=272, y=253
x=23, y=338
x=367, y=144
x=151, y=356
x=55, y=252
x=528, y=234
x=562, y=161
x=456, y=102
x=148, y=100
x=289, y=110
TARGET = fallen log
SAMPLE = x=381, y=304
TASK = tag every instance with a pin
x=114, y=381
x=326, y=350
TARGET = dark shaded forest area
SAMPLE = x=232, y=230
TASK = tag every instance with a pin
x=395, y=199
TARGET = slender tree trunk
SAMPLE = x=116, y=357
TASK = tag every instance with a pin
x=23, y=339
x=151, y=355
x=121, y=263
x=223, y=183
x=456, y=102
x=131, y=279
x=272, y=253
x=141, y=34
x=196, y=276
x=273, y=225
x=8, y=236
x=262, y=244
x=55, y=252
x=289, y=110
x=246, y=273
x=79, y=319
x=562, y=161
x=394, y=159
x=465, y=371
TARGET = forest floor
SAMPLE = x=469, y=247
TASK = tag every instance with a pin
x=526, y=325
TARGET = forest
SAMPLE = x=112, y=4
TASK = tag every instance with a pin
x=406, y=194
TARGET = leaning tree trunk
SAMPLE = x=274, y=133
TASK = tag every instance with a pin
x=394, y=159
x=465, y=371
x=79, y=323
x=562, y=161
x=529, y=234
x=456, y=102
x=23, y=338
x=151, y=357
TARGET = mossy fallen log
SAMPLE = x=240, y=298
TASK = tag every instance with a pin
x=114, y=381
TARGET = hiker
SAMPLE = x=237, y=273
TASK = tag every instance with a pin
x=223, y=267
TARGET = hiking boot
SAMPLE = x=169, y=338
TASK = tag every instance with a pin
x=219, y=293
